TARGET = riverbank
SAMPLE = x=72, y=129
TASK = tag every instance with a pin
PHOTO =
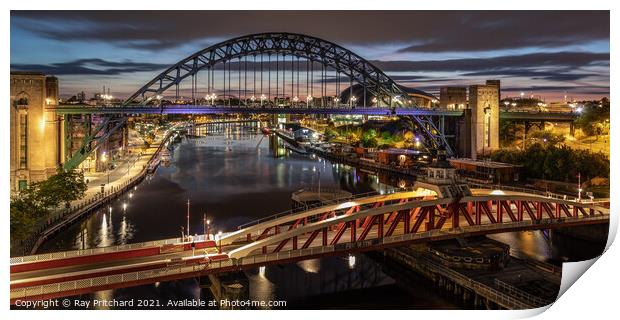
x=94, y=198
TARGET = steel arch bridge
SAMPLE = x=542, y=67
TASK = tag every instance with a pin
x=313, y=49
x=287, y=51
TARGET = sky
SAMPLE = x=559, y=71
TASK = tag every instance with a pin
x=551, y=54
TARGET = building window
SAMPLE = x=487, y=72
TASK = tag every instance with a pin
x=22, y=185
x=23, y=141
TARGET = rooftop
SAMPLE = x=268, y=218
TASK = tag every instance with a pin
x=400, y=151
x=485, y=164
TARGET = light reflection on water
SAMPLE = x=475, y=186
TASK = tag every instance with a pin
x=235, y=175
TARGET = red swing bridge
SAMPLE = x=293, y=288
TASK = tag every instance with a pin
x=361, y=223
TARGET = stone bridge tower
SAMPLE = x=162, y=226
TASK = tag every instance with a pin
x=35, y=129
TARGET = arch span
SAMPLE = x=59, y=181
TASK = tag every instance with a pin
x=311, y=48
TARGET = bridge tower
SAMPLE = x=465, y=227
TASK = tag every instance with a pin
x=484, y=106
x=35, y=128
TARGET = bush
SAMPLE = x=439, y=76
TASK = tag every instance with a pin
x=556, y=163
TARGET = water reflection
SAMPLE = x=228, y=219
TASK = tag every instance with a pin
x=235, y=175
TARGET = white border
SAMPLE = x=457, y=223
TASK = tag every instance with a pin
x=593, y=296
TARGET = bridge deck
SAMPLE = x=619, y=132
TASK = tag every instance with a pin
x=344, y=110
x=352, y=227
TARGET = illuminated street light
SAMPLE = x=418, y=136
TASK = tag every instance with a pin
x=262, y=98
x=352, y=101
x=295, y=99
x=211, y=96
x=104, y=159
x=219, y=239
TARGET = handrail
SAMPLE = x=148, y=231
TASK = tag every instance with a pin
x=484, y=290
x=514, y=291
x=314, y=206
x=519, y=189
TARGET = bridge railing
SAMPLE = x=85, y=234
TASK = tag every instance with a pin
x=316, y=205
x=546, y=194
x=102, y=281
x=93, y=251
x=522, y=295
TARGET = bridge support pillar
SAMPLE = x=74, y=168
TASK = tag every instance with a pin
x=232, y=286
x=484, y=105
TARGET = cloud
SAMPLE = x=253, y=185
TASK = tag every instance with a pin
x=532, y=60
x=414, y=31
x=535, y=75
x=89, y=67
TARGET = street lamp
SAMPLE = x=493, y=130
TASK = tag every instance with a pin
x=104, y=159
x=262, y=98
x=352, y=101
x=219, y=238
x=205, y=224
x=211, y=96
x=308, y=100
x=295, y=99
x=336, y=100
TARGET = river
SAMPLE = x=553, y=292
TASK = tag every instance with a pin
x=233, y=174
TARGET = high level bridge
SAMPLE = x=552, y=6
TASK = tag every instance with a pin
x=365, y=222
x=282, y=73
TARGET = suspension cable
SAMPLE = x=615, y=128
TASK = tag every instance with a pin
x=277, y=81
x=239, y=83
x=269, y=84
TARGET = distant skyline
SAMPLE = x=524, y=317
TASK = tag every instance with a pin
x=546, y=53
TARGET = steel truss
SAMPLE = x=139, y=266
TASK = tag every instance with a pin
x=328, y=54
x=352, y=225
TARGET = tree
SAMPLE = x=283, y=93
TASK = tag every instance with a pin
x=369, y=134
x=34, y=202
x=544, y=161
x=331, y=133
x=26, y=209
x=370, y=143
